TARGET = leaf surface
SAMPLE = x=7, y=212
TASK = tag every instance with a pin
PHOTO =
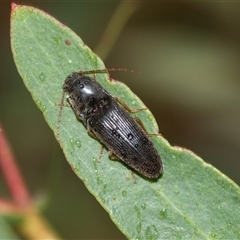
x=190, y=200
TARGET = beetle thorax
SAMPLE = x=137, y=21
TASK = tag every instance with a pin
x=86, y=95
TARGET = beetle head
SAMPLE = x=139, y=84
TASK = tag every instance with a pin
x=84, y=93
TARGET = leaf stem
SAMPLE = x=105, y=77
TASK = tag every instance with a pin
x=114, y=28
x=35, y=226
x=12, y=174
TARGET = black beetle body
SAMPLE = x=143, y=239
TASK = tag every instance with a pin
x=112, y=124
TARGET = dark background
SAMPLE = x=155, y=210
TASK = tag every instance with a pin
x=189, y=55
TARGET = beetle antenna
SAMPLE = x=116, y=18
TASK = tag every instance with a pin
x=106, y=70
x=60, y=116
x=123, y=70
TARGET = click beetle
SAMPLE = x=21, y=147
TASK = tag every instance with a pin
x=112, y=124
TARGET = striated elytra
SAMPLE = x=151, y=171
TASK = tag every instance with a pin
x=108, y=121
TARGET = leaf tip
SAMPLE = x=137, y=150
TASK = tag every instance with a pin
x=13, y=5
x=13, y=9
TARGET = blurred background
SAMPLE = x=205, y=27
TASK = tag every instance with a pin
x=188, y=54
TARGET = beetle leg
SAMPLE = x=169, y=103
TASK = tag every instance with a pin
x=112, y=155
x=128, y=108
x=131, y=176
x=100, y=155
x=134, y=178
x=138, y=120
x=112, y=79
x=91, y=133
x=62, y=105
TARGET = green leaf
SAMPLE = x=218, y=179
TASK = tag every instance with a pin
x=6, y=231
x=191, y=200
